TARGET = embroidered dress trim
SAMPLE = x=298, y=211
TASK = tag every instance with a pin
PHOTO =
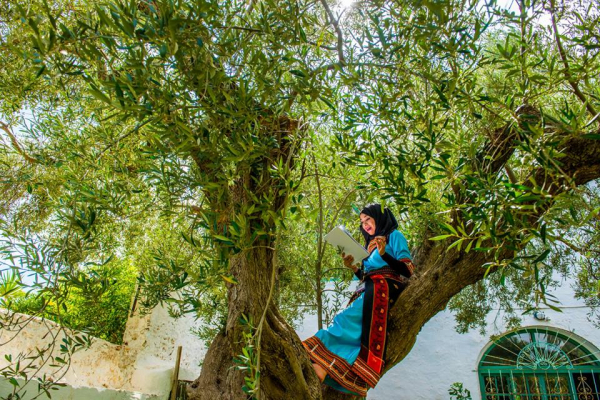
x=387, y=273
x=356, y=378
x=377, y=328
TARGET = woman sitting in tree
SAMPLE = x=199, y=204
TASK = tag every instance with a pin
x=348, y=355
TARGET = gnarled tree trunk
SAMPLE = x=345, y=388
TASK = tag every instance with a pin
x=285, y=369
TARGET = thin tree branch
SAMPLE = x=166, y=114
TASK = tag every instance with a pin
x=511, y=174
x=342, y=204
x=320, y=248
x=255, y=30
x=15, y=143
x=569, y=244
x=336, y=26
x=563, y=56
x=242, y=28
x=263, y=317
x=321, y=46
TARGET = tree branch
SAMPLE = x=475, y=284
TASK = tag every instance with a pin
x=242, y=28
x=442, y=274
x=580, y=163
x=496, y=152
x=563, y=56
x=337, y=212
x=15, y=143
x=568, y=244
x=336, y=26
x=321, y=46
x=501, y=146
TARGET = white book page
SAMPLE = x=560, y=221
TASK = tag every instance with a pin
x=341, y=239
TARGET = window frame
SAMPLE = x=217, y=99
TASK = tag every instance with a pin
x=509, y=371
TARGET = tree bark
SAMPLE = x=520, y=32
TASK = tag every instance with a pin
x=285, y=368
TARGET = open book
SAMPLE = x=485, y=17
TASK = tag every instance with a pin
x=341, y=239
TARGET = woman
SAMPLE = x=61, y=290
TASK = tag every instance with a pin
x=348, y=355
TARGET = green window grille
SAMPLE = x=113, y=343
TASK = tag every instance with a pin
x=540, y=364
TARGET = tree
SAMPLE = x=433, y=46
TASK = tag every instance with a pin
x=473, y=121
x=97, y=303
x=211, y=112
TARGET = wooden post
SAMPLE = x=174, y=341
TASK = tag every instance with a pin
x=175, y=383
x=135, y=299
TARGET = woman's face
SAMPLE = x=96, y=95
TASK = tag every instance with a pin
x=368, y=224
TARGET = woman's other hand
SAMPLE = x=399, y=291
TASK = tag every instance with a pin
x=380, y=243
x=349, y=261
x=372, y=245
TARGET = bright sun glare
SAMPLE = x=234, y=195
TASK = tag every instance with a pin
x=345, y=4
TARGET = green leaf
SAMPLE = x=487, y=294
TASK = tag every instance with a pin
x=229, y=279
x=542, y=256
x=449, y=228
x=223, y=238
x=469, y=246
x=299, y=73
x=543, y=233
x=456, y=244
x=40, y=71
x=99, y=95
x=440, y=237
x=557, y=309
x=329, y=103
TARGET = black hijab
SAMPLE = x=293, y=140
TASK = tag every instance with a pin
x=385, y=222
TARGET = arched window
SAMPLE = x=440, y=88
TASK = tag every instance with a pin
x=540, y=364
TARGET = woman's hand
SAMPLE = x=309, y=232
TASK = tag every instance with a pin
x=372, y=245
x=349, y=261
x=380, y=243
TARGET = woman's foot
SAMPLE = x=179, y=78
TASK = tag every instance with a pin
x=321, y=373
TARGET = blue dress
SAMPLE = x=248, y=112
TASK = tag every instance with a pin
x=343, y=336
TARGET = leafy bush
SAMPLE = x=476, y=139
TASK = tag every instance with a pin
x=97, y=302
x=458, y=392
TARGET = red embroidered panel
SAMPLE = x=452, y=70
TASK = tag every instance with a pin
x=378, y=323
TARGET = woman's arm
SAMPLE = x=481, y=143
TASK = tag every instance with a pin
x=397, y=249
x=397, y=265
x=358, y=273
